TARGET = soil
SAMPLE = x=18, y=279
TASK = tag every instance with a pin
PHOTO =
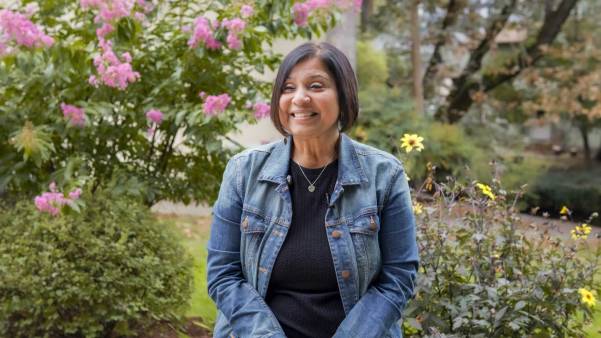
x=194, y=328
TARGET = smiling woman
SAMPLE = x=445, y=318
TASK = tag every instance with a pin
x=313, y=235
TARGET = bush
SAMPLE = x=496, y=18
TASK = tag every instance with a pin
x=62, y=118
x=580, y=190
x=482, y=277
x=387, y=114
x=110, y=269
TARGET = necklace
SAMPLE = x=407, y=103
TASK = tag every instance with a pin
x=311, y=187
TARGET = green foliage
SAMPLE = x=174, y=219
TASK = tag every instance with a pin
x=185, y=158
x=579, y=190
x=108, y=270
x=387, y=114
x=482, y=277
x=371, y=65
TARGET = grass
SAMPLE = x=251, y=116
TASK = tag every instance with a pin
x=195, y=233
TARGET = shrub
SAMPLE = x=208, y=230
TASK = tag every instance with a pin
x=80, y=107
x=578, y=189
x=110, y=269
x=482, y=277
x=387, y=114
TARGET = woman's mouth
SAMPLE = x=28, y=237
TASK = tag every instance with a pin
x=303, y=116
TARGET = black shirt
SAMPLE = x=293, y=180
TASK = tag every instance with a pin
x=303, y=292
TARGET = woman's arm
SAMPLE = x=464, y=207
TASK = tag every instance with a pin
x=383, y=303
x=241, y=304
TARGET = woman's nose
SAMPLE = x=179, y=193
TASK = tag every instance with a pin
x=301, y=98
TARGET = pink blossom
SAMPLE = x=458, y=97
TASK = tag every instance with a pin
x=52, y=202
x=74, y=114
x=202, y=33
x=150, y=131
x=235, y=25
x=262, y=110
x=212, y=43
x=75, y=194
x=246, y=11
x=316, y=4
x=113, y=72
x=17, y=28
x=301, y=13
x=104, y=30
x=215, y=104
x=202, y=95
x=155, y=116
x=233, y=42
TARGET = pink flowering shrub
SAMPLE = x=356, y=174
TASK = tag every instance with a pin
x=125, y=60
x=214, y=105
x=17, y=29
x=74, y=114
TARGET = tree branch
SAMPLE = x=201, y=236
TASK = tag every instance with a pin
x=450, y=18
x=459, y=101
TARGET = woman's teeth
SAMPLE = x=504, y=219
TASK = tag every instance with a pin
x=302, y=116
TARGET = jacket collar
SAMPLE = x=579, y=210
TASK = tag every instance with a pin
x=350, y=171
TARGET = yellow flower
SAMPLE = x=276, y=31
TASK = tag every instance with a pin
x=410, y=141
x=564, y=211
x=486, y=190
x=581, y=231
x=587, y=297
x=418, y=208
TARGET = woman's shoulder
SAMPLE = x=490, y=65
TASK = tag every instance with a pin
x=261, y=151
x=376, y=156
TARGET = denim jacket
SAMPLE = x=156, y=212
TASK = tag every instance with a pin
x=369, y=224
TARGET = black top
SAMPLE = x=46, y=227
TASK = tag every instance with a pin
x=303, y=291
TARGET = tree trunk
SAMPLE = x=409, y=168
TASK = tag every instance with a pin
x=583, y=127
x=460, y=100
x=418, y=93
x=367, y=9
x=453, y=9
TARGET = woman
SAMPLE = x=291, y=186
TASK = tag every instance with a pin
x=313, y=235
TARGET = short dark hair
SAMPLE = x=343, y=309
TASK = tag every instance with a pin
x=338, y=66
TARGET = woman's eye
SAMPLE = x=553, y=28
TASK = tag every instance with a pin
x=316, y=86
x=288, y=89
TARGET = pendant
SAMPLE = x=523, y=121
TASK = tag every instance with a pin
x=311, y=188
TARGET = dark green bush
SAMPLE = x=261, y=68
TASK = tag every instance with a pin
x=109, y=270
x=579, y=190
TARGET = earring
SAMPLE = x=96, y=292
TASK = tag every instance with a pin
x=339, y=125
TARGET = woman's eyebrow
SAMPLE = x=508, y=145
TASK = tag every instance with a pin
x=313, y=76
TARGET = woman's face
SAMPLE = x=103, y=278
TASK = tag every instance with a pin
x=309, y=101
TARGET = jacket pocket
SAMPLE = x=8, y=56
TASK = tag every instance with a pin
x=364, y=234
x=252, y=231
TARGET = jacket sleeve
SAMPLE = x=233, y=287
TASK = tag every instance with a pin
x=383, y=303
x=240, y=303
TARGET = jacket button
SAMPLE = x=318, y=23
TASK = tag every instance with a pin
x=245, y=222
x=372, y=224
x=336, y=234
x=345, y=274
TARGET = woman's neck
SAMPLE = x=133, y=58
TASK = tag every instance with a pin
x=315, y=152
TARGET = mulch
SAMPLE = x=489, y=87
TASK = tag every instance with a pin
x=194, y=328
